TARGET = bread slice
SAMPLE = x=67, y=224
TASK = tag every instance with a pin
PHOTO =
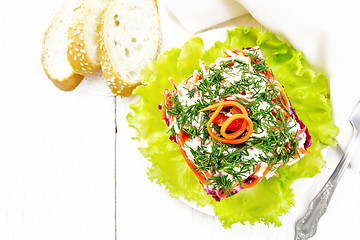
x=83, y=36
x=54, y=50
x=129, y=40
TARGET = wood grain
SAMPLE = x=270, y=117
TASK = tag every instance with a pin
x=57, y=149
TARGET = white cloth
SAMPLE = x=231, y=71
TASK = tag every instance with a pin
x=197, y=15
x=326, y=31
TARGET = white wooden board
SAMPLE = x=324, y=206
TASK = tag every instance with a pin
x=60, y=157
x=57, y=149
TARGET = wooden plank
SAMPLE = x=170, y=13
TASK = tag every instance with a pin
x=57, y=174
x=143, y=208
x=57, y=149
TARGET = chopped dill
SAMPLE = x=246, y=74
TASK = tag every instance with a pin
x=273, y=133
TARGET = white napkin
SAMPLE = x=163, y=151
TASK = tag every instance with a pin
x=326, y=31
x=197, y=15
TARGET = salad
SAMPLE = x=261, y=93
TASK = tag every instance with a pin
x=234, y=123
x=271, y=198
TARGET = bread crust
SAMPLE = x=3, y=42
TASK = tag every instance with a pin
x=67, y=83
x=77, y=54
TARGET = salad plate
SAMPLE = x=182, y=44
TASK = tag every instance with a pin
x=184, y=186
x=205, y=217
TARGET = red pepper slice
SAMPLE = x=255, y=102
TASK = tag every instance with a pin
x=234, y=125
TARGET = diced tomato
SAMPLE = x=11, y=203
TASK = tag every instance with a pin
x=234, y=125
x=170, y=104
x=231, y=64
x=185, y=136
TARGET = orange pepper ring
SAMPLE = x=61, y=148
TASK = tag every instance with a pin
x=223, y=140
x=227, y=104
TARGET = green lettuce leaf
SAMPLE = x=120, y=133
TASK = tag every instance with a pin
x=308, y=92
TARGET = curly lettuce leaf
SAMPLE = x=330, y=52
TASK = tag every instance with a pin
x=309, y=95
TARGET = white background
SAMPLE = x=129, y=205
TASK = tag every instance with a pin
x=70, y=170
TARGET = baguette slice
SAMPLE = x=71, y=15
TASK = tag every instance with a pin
x=54, y=50
x=129, y=40
x=83, y=35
